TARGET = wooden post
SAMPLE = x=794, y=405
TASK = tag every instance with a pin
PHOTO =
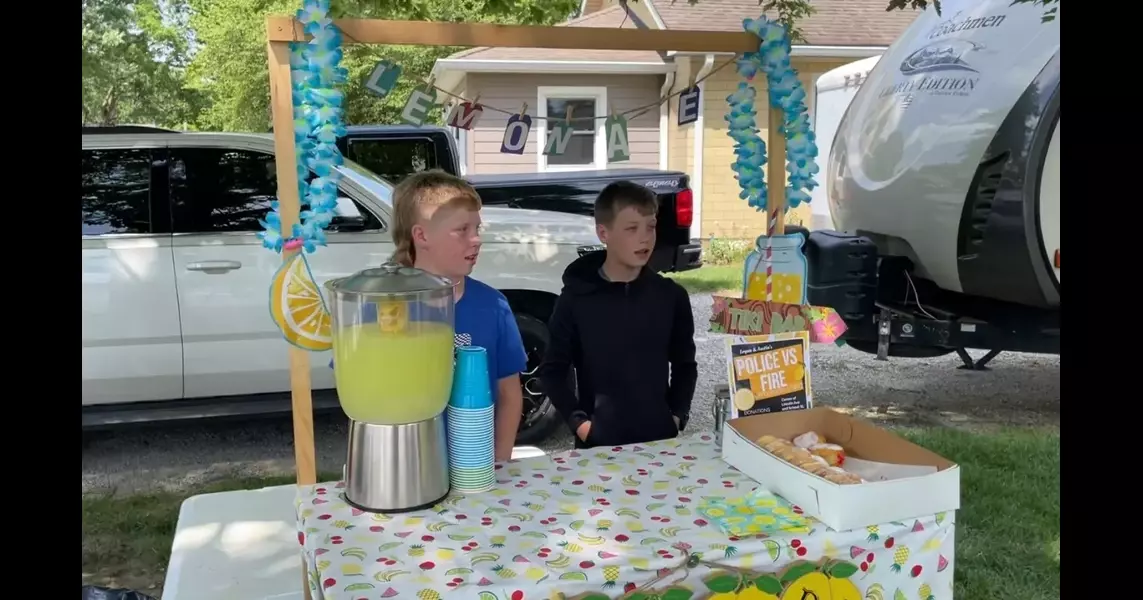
x=289, y=205
x=282, y=107
x=776, y=172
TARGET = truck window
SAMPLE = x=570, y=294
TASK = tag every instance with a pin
x=393, y=159
x=220, y=190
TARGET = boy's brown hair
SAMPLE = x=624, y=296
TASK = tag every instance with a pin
x=416, y=195
x=620, y=195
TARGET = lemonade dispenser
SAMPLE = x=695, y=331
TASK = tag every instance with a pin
x=393, y=363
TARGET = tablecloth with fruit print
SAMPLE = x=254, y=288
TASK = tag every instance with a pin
x=610, y=523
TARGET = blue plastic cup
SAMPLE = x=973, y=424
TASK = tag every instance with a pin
x=470, y=387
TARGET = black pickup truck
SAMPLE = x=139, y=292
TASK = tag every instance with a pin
x=396, y=151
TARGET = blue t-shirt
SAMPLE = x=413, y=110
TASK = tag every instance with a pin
x=483, y=318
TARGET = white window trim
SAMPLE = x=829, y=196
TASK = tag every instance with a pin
x=543, y=93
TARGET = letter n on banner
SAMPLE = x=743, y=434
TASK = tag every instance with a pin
x=464, y=115
x=615, y=128
x=558, y=139
x=689, y=102
x=417, y=108
x=516, y=134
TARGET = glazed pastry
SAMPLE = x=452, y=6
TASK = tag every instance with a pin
x=766, y=440
x=809, y=439
x=831, y=453
x=841, y=476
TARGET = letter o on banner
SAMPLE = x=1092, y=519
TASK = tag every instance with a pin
x=516, y=134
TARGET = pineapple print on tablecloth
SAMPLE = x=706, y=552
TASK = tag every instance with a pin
x=504, y=572
x=570, y=547
x=416, y=550
x=925, y=592
x=900, y=557
x=610, y=576
x=873, y=533
x=428, y=595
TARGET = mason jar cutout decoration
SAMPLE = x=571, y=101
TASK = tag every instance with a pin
x=776, y=270
x=559, y=136
x=689, y=103
x=465, y=115
x=383, y=78
x=420, y=102
x=516, y=132
x=615, y=130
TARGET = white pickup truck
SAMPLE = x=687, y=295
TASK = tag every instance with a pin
x=175, y=317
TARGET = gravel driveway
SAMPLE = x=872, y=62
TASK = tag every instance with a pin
x=1022, y=389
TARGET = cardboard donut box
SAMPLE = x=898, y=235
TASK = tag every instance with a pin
x=913, y=482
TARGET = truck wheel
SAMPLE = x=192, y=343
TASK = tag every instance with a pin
x=539, y=418
x=900, y=350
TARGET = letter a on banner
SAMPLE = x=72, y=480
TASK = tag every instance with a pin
x=383, y=78
x=418, y=106
x=516, y=133
x=689, y=103
x=615, y=128
x=464, y=115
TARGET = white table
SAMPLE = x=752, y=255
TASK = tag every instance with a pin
x=243, y=545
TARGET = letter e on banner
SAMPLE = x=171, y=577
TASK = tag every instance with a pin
x=558, y=138
x=689, y=103
x=615, y=128
x=516, y=134
x=383, y=78
x=417, y=108
x=464, y=115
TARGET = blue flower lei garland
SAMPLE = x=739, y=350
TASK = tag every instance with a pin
x=786, y=93
x=316, y=71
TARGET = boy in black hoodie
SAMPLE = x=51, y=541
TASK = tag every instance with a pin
x=628, y=331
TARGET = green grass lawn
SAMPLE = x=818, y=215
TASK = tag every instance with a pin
x=1007, y=531
x=1008, y=527
x=711, y=279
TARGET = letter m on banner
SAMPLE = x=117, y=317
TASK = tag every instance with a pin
x=464, y=115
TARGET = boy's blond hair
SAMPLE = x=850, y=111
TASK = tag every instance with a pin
x=423, y=193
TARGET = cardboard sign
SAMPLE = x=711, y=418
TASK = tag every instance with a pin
x=383, y=78
x=739, y=316
x=689, y=103
x=516, y=134
x=464, y=115
x=615, y=130
x=417, y=108
x=559, y=137
x=769, y=373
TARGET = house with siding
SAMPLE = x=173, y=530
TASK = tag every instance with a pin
x=595, y=83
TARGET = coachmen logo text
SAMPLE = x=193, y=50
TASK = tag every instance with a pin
x=940, y=68
x=956, y=24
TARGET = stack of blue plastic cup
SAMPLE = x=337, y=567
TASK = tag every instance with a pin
x=471, y=429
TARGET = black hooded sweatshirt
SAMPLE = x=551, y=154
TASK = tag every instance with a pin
x=632, y=346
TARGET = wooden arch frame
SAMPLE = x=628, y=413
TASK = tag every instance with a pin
x=280, y=31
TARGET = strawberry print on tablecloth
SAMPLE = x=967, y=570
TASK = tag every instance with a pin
x=596, y=524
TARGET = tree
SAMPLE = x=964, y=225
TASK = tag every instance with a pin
x=134, y=60
x=231, y=67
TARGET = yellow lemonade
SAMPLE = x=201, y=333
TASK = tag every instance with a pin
x=786, y=287
x=392, y=378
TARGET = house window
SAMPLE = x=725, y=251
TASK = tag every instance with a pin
x=587, y=148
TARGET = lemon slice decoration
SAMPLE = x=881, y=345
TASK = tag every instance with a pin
x=797, y=374
x=743, y=399
x=297, y=309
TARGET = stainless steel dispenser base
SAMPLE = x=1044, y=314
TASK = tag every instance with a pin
x=397, y=468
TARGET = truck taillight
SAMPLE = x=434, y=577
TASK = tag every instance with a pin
x=684, y=208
